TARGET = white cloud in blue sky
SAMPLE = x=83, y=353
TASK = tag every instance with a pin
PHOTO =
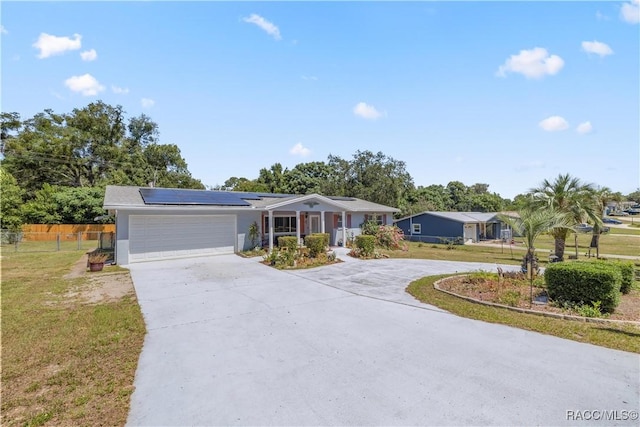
x=3, y=30
x=630, y=12
x=299, y=150
x=49, y=45
x=533, y=64
x=119, y=90
x=267, y=26
x=89, y=55
x=147, y=102
x=86, y=85
x=597, y=48
x=584, y=128
x=554, y=124
x=366, y=111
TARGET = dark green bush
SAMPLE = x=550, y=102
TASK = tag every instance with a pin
x=627, y=270
x=289, y=242
x=316, y=243
x=584, y=283
x=366, y=244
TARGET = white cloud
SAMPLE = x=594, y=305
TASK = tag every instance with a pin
x=366, y=111
x=147, y=102
x=299, y=150
x=52, y=45
x=89, y=55
x=119, y=90
x=601, y=17
x=267, y=26
x=597, y=47
x=3, y=30
x=630, y=12
x=314, y=78
x=554, y=124
x=533, y=64
x=86, y=84
x=534, y=164
x=584, y=128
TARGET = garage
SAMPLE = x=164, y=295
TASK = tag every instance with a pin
x=155, y=237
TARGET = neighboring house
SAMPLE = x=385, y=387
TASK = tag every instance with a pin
x=434, y=227
x=159, y=223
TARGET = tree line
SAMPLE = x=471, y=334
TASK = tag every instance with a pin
x=55, y=168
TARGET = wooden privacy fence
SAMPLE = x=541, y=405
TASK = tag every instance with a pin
x=43, y=232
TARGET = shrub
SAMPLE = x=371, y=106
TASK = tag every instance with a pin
x=510, y=298
x=288, y=242
x=592, y=310
x=627, y=270
x=369, y=228
x=366, y=244
x=316, y=243
x=389, y=237
x=584, y=283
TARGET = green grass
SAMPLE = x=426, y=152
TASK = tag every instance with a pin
x=64, y=362
x=620, y=337
x=628, y=230
x=458, y=253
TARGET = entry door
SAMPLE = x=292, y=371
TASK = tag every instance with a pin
x=314, y=223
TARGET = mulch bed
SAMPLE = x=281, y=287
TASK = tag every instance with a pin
x=505, y=291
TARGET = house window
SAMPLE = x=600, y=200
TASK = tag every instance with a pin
x=417, y=228
x=377, y=218
x=339, y=221
x=281, y=224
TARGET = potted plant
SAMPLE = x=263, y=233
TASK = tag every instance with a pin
x=96, y=260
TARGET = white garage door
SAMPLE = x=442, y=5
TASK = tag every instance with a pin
x=153, y=237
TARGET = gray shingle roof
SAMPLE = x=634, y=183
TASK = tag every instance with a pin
x=464, y=217
x=120, y=197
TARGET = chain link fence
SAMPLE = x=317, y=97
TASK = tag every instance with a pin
x=51, y=242
x=453, y=240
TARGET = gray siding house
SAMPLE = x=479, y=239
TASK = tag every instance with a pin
x=163, y=223
x=433, y=227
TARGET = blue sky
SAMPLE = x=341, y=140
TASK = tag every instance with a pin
x=503, y=93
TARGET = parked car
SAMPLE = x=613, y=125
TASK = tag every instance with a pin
x=585, y=228
x=611, y=221
x=618, y=213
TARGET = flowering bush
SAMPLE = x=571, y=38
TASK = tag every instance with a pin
x=390, y=237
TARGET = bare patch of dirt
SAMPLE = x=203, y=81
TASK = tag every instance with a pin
x=516, y=293
x=98, y=287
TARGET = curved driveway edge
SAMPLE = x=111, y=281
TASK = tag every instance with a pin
x=233, y=342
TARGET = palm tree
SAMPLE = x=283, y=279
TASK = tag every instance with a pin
x=569, y=196
x=530, y=224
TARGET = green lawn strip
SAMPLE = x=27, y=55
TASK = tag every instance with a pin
x=64, y=362
x=611, y=335
x=467, y=253
x=627, y=230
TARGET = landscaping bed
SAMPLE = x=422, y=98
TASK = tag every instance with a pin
x=515, y=292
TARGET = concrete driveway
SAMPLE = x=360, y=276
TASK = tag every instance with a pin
x=233, y=342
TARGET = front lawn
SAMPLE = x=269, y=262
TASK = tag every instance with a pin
x=69, y=354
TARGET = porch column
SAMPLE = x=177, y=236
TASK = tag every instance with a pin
x=322, y=221
x=298, y=226
x=270, y=231
x=344, y=229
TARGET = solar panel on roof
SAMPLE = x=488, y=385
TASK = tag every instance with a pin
x=273, y=195
x=342, y=198
x=170, y=196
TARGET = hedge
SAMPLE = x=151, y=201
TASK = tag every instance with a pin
x=366, y=244
x=316, y=243
x=288, y=242
x=584, y=283
x=627, y=270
